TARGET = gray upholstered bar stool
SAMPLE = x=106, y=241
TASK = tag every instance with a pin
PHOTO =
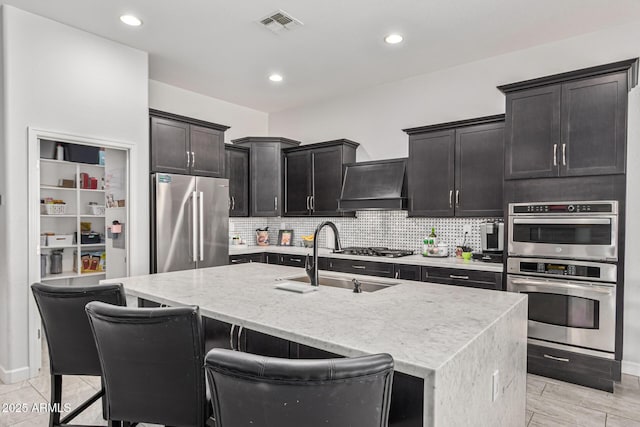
x=152, y=363
x=72, y=349
x=250, y=390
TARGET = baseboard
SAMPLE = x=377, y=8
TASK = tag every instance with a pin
x=14, y=375
x=631, y=368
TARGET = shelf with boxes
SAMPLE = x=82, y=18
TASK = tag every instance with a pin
x=77, y=209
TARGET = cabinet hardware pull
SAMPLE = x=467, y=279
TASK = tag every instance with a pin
x=230, y=204
x=313, y=202
x=397, y=274
x=453, y=276
x=450, y=199
x=231, y=337
x=233, y=205
x=564, y=154
x=275, y=203
x=235, y=261
x=555, y=154
x=359, y=267
x=457, y=198
x=296, y=259
x=239, y=337
x=193, y=159
x=188, y=159
x=559, y=359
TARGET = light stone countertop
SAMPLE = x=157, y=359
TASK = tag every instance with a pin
x=422, y=325
x=448, y=262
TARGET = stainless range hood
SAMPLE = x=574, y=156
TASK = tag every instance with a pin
x=377, y=185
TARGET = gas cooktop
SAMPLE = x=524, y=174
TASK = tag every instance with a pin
x=375, y=251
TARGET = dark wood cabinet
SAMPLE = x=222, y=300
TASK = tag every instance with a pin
x=313, y=177
x=460, y=277
x=407, y=272
x=170, y=152
x=187, y=146
x=456, y=169
x=293, y=260
x=571, y=124
x=255, y=342
x=246, y=258
x=237, y=172
x=266, y=172
x=369, y=268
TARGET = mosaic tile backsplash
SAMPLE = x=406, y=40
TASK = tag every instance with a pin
x=392, y=229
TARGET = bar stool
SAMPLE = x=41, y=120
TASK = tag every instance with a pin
x=153, y=364
x=247, y=389
x=72, y=349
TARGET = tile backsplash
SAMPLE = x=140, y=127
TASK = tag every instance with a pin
x=392, y=229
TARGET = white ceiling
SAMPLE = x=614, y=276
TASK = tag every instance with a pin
x=216, y=47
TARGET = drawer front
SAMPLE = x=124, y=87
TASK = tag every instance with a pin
x=292, y=260
x=407, y=272
x=243, y=259
x=369, y=268
x=272, y=258
x=458, y=277
x=576, y=368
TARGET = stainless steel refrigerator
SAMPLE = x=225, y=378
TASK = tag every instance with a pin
x=190, y=223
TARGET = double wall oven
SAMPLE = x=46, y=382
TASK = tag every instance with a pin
x=564, y=257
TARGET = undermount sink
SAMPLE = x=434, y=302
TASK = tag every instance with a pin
x=345, y=282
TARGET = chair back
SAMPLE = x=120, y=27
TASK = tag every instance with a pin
x=152, y=363
x=262, y=391
x=72, y=349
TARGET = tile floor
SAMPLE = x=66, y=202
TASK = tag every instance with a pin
x=550, y=403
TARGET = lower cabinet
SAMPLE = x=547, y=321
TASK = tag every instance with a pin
x=368, y=268
x=459, y=277
x=247, y=258
x=407, y=272
x=254, y=342
x=292, y=260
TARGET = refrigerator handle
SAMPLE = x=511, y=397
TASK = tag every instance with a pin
x=194, y=216
x=201, y=226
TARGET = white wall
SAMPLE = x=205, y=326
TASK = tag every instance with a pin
x=244, y=121
x=61, y=79
x=375, y=117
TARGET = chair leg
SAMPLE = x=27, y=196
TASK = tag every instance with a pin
x=56, y=400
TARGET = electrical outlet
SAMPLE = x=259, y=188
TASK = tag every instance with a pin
x=495, y=386
x=466, y=228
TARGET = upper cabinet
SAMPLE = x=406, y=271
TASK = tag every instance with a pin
x=456, y=169
x=313, y=177
x=186, y=146
x=237, y=172
x=265, y=164
x=571, y=124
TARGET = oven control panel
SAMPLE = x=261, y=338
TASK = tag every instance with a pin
x=598, y=271
x=564, y=208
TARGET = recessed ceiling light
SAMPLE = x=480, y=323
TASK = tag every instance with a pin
x=134, y=21
x=393, y=38
x=275, y=78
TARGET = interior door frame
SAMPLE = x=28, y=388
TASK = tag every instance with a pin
x=34, y=135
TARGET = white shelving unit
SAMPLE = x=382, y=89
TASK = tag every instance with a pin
x=77, y=211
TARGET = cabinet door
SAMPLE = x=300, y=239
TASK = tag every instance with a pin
x=217, y=334
x=273, y=258
x=266, y=176
x=207, y=152
x=293, y=260
x=532, y=133
x=262, y=344
x=169, y=146
x=430, y=173
x=459, y=277
x=297, y=183
x=594, y=120
x=327, y=180
x=247, y=258
x=237, y=171
x=407, y=272
x=479, y=170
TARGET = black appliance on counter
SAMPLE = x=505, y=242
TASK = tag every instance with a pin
x=375, y=251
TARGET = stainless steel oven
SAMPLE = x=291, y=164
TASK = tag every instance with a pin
x=571, y=303
x=582, y=230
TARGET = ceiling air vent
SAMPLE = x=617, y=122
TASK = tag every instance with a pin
x=279, y=21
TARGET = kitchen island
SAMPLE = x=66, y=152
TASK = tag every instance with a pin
x=467, y=347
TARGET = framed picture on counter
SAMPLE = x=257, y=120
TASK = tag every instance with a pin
x=285, y=237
